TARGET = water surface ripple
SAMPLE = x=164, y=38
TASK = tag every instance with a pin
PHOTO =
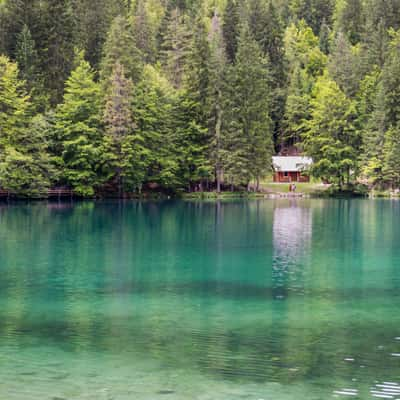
x=233, y=300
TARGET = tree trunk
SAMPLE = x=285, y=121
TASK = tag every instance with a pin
x=218, y=144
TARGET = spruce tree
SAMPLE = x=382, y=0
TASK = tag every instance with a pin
x=324, y=38
x=175, y=48
x=216, y=92
x=144, y=32
x=152, y=104
x=248, y=145
x=57, y=46
x=350, y=19
x=230, y=28
x=331, y=137
x=123, y=152
x=78, y=126
x=297, y=108
x=24, y=162
x=385, y=113
x=120, y=47
x=391, y=157
x=344, y=65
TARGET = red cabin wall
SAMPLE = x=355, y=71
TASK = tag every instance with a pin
x=280, y=177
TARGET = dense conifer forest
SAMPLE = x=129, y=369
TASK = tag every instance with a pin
x=183, y=95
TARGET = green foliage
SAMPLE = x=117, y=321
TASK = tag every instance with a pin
x=391, y=157
x=153, y=102
x=57, y=46
x=248, y=142
x=175, y=48
x=331, y=137
x=120, y=46
x=217, y=67
x=24, y=163
x=230, y=28
x=124, y=156
x=344, y=65
x=184, y=94
x=78, y=123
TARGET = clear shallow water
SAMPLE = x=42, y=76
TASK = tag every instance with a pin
x=268, y=300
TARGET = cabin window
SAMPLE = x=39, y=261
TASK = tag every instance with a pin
x=286, y=173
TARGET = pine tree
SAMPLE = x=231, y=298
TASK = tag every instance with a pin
x=120, y=47
x=344, y=66
x=374, y=46
x=248, y=145
x=93, y=20
x=14, y=15
x=216, y=92
x=391, y=156
x=174, y=49
x=313, y=12
x=153, y=102
x=78, y=126
x=302, y=49
x=230, y=28
x=350, y=19
x=24, y=161
x=385, y=113
x=144, y=32
x=57, y=46
x=324, y=38
x=196, y=76
x=297, y=107
x=26, y=56
x=28, y=61
x=265, y=27
x=331, y=137
x=123, y=151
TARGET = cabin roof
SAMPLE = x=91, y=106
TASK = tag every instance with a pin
x=291, y=164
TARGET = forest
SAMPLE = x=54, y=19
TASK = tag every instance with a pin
x=122, y=96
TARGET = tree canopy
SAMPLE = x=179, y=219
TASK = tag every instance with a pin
x=124, y=96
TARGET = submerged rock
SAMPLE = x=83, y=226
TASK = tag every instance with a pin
x=166, y=391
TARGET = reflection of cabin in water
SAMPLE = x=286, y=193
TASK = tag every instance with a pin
x=291, y=168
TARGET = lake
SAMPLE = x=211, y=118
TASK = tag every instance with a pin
x=263, y=299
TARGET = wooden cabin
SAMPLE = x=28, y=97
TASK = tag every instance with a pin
x=291, y=168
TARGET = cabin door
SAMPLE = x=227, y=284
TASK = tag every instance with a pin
x=293, y=176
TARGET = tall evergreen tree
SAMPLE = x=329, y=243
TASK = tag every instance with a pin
x=153, y=102
x=344, y=65
x=24, y=161
x=57, y=46
x=313, y=12
x=144, y=32
x=324, y=38
x=216, y=92
x=297, y=110
x=120, y=47
x=174, y=50
x=248, y=145
x=78, y=123
x=123, y=149
x=350, y=19
x=331, y=137
x=26, y=56
x=230, y=28
x=93, y=20
x=385, y=114
x=391, y=156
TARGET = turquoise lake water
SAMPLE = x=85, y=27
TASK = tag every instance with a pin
x=272, y=300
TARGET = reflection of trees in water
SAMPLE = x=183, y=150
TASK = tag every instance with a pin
x=292, y=234
x=134, y=293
